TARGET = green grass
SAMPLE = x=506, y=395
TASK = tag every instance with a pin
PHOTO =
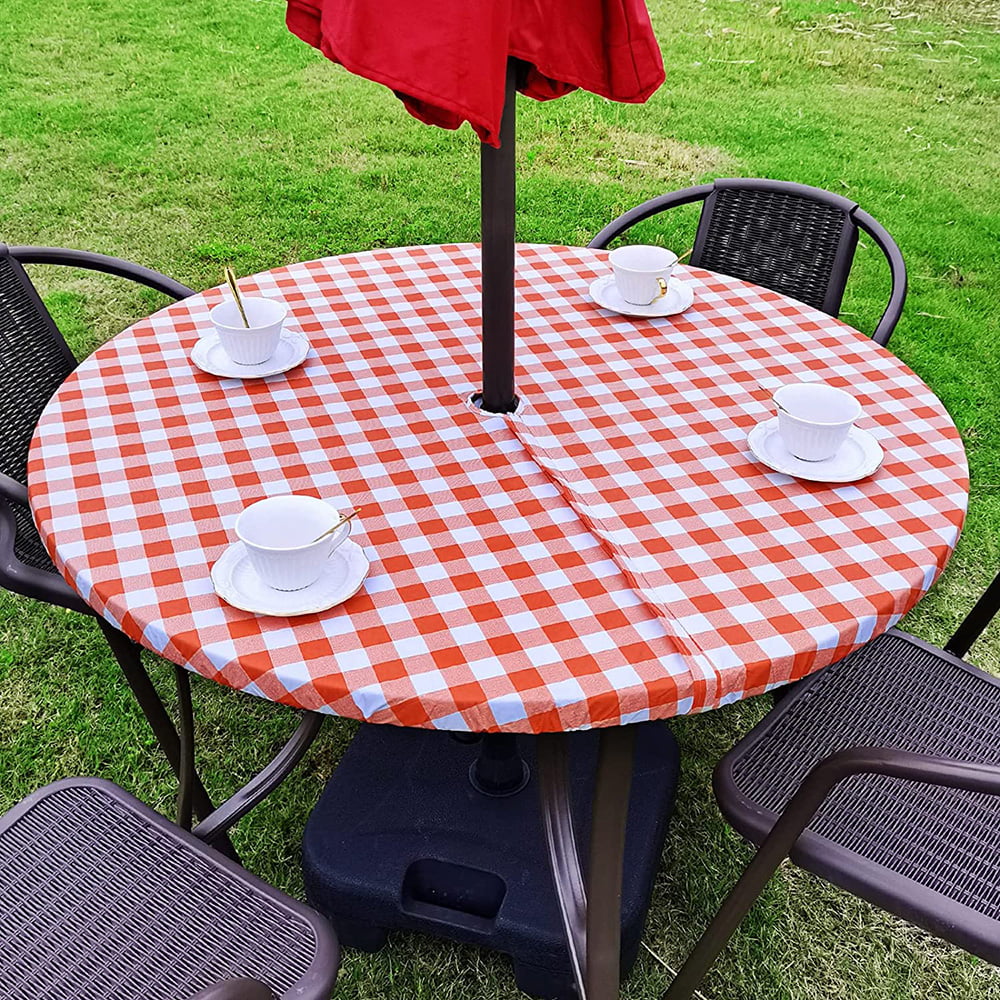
x=184, y=135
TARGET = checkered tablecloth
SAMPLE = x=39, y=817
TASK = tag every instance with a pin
x=610, y=553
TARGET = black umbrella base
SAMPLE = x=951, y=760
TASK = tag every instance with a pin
x=401, y=839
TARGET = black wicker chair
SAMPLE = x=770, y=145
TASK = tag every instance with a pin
x=882, y=775
x=102, y=898
x=34, y=361
x=791, y=238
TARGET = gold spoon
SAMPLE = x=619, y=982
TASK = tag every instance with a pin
x=343, y=520
x=231, y=278
x=772, y=392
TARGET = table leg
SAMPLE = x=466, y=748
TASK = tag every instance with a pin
x=608, y=824
x=564, y=860
x=591, y=914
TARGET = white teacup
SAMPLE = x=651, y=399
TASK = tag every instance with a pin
x=256, y=343
x=281, y=535
x=642, y=272
x=814, y=419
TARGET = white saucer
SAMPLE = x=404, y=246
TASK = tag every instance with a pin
x=679, y=297
x=210, y=356
x=237, y=584
x=859, y=456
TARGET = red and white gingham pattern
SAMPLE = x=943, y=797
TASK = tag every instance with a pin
x=679, y=575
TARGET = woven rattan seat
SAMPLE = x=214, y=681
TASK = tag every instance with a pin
x=896, y=692
x=791, y=238
x=882, y=775
x=103, y=899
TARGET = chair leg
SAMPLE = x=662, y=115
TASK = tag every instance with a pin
x=212, y=829
x=186, y=762
x=127, y=654
x=729, y=916
x=773, y=850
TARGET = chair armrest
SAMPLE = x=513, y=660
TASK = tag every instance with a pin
x=615, y=228
x=263, y=783
x=837, y=767
x=829, y=772
x=243, y=988
x=42, y=586
x=28, y=580
x=101, y=262
x=12, y=490
x=971, y=776
x=897, y=273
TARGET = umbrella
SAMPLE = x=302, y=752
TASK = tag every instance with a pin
x=452, y=61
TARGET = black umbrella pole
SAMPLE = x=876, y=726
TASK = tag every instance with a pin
x=497, y=198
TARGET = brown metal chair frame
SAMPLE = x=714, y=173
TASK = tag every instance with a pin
x=777, y=842
x=48, y=586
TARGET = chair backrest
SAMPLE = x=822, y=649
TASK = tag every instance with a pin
x=794, y=239
x=34, y=362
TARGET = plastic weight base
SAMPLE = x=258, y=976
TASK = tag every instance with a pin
x=401, y=839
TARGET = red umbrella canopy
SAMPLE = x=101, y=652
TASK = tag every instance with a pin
x=446, y=59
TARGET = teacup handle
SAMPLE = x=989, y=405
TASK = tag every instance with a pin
x=346, y=526
x=664, y=287
x=346, y=519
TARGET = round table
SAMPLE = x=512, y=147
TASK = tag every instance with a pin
x=610, y=553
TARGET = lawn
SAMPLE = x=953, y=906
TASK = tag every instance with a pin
x=189, y=135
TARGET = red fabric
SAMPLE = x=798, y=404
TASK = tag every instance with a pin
x=446, y=61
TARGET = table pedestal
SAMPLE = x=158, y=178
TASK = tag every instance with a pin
x=401, y=839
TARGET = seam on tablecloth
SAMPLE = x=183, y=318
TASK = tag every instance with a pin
x=697, y=656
